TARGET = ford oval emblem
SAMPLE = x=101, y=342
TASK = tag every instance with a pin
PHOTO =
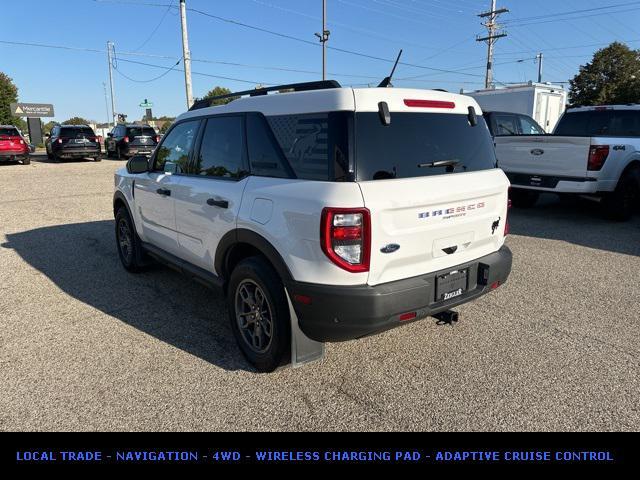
x=537, y=151
x=392, y=247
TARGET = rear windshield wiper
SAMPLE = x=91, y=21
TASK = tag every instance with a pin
x=439, y=163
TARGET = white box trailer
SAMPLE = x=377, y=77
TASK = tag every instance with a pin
x=544, y=102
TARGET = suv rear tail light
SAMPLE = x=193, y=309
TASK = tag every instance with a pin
x=597, y=155
x=345, y=237
x=157, y=138
x=126, y=139
x=60, y=140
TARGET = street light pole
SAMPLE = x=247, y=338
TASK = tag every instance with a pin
x=324, y=38
x=186, y=54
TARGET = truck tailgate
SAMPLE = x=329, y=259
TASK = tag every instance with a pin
x=544, y=155
x=438, y=222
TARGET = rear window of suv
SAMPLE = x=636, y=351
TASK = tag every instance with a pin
x=413, y=141
x=603, y=123
x=8, y=132
x=76, y=132
x=141, y=132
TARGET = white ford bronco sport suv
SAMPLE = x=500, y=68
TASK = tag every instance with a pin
x=324, y=213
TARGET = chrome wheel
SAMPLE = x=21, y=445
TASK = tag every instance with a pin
x=254, y=316
x=124, y=240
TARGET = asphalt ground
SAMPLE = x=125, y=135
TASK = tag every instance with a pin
x=84, y=345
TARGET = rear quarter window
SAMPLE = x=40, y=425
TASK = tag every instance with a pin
x=315, y=145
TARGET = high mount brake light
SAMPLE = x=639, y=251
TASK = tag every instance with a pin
x=345, y=237
x=428, y=103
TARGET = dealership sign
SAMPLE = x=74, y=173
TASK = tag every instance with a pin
x=32, y=109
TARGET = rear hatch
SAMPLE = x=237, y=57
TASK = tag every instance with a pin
x=11, y=141
x=142, y=137
x=544, y=155
x=430, y=182
x=78, y=138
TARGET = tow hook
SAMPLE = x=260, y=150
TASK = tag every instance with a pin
x=448, y=317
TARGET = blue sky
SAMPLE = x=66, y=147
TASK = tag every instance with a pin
x=433, y=33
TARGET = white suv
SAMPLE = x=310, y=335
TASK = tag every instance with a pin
x=324, y=213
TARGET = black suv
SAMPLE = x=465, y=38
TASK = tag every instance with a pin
x=72, y=141
x=125, y=141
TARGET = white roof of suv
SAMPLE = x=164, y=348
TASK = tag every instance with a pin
x=344, y=99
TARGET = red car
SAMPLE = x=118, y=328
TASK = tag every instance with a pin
x=13, y=146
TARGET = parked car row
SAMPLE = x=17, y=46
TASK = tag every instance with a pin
x=80, y=141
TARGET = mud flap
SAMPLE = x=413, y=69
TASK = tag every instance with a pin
x=303, y=349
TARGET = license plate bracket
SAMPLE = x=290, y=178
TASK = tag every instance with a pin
x=451, y=285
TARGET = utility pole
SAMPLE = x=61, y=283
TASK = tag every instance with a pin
x=186, y=54
x=324, y=38
x=539, y=59
x=493, y=28
x=106, y=103
x=113, y=100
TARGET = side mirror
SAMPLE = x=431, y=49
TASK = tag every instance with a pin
x=109, y=135
x=138, y=164
x=47, y=135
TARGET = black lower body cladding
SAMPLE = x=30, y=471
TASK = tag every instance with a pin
x=338, y=313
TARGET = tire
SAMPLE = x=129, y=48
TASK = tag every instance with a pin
x=26, y=161
x=49, y=155
x=97, y=159
x=117, y=154
x=523, y=198
x=55, y=158
x=254, y=281
x=620, y=204
x=128, y=243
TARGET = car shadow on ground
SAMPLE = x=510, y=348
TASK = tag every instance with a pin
x=82, y=260
x=578, y=221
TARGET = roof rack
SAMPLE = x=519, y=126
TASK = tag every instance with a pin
x=293, y=87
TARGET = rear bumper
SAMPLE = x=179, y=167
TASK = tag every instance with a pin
x=10, y=155
x=132, y=150
x=339, y=313
x=557, y=184
x=78, y=153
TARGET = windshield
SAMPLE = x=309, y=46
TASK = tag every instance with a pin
x=420, y=144
x=141, y=132
x=9, y=132
x=76, y=132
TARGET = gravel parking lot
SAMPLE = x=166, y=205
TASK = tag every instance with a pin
x=86, y=346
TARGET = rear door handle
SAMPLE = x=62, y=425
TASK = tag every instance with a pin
x=218, y=203
x=163, y=191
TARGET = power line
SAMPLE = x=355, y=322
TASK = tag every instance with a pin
x=571, y=12
x=153, y=32
x=169, y=69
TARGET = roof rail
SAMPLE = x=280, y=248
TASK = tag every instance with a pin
x=294, y=87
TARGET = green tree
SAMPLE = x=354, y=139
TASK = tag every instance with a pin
x=612, y=77
x=76, y=121
x=8, y=95
x=48, y=126
x=217, y=91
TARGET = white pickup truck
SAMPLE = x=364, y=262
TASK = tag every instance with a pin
x=593, y=151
